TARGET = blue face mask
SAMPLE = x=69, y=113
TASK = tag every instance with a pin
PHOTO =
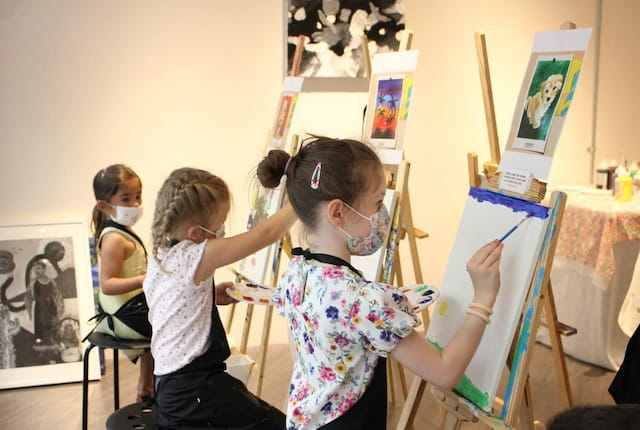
x=218, y=234
x=380, y=222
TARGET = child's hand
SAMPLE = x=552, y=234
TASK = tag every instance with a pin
x=484, y=270
x=222, y=298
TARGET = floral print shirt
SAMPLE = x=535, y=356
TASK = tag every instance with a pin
x=340, y=325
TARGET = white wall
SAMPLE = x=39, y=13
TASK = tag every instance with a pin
x=163, y=84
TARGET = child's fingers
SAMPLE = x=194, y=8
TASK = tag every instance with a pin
x=482, y=254
x=494, y=256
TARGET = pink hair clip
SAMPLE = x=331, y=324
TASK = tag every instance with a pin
x=315, y=177
x=103, y=172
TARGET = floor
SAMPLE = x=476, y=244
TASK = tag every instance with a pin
x=59, y=406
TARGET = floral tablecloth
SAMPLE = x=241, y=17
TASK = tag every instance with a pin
x=592, y=224
x=597, y=249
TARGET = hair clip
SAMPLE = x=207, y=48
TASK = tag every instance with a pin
x=286, y=166
x=315, y=177
x=103, y=172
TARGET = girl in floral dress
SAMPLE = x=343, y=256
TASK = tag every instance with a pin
x=341, y=327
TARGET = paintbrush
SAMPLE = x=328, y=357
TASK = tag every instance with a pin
x=507, y=234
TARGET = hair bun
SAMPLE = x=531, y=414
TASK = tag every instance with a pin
x=271, y=168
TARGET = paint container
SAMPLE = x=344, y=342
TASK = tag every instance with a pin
x=624, y=186
x=603, y=177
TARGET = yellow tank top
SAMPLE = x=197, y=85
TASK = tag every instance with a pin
x=135, y=265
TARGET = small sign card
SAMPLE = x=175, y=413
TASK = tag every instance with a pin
x=515, y=180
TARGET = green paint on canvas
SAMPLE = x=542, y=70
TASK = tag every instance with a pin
x=466, y=388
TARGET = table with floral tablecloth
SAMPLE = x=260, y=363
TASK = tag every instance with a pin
x=595, y=257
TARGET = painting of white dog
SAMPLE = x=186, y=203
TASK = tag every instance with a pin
x=539, y=103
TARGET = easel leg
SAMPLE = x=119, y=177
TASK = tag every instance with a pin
x=411, y=404
x=264, y=343
x=526, y=410
x=229, y=320
x=391, y=381
x=556, y=345
x=244, y=339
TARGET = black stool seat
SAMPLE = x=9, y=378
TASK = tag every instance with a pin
x=103, y=340
x=136, y=416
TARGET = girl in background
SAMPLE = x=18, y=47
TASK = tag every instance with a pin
x=340, y=326
x=122, y=260
x=189, y=343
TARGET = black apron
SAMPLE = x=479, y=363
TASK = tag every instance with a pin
x=134, y=312
x=370, y=411
x=201, y=395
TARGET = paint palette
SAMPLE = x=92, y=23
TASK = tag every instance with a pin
x=252, y=293
x=420, y=296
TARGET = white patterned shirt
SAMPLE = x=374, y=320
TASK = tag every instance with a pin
x=340, y=325
x=179, y=309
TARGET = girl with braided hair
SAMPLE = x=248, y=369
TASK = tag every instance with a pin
x=189, y=344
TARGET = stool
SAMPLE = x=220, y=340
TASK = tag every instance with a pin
x=137, y=416
x=106, y=341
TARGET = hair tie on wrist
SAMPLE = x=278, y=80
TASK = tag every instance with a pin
x=485, y=308
x=478, y=314
x=286, y=166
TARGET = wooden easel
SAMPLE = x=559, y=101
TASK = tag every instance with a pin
x=282, y=245
x=458, y=410
x=540, y=297
x=556, y=328
x=402, y=227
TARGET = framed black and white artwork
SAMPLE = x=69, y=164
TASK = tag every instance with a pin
x=333, y=33
x=46, y=300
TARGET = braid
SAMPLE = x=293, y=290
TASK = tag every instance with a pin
x=188, y=195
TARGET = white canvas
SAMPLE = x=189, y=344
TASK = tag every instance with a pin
x=489, y=216
x=371, y=265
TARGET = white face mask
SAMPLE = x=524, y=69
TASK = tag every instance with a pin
x=218, y=234
x=127, y=215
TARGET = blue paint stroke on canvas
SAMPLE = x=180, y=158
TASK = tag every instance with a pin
x=517, y=205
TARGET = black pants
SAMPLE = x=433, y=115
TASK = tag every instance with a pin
x=211, y=400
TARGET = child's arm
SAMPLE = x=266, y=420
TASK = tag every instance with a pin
x=446, y=368
x=220, y=252
x=113, y=251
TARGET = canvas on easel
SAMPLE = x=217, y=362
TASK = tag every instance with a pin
x=487, y=216
x=539, y=296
